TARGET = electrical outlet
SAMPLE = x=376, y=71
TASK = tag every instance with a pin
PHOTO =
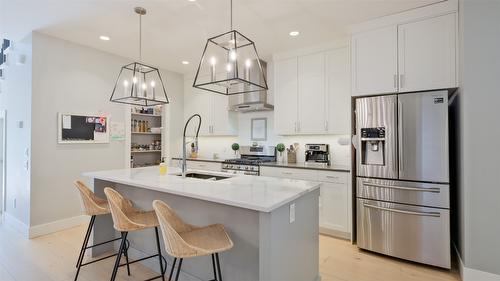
x=292, y=212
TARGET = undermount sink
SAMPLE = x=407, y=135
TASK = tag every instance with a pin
x=205, y=176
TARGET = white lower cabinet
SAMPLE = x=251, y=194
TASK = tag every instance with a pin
x=334, y=207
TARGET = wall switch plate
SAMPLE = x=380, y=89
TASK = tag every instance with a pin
x=20, y=124
x=292, y=212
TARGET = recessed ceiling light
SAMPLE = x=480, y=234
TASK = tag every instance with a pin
x=185, y=61
x=192, y=0
x=104, y=38
x=294, y=33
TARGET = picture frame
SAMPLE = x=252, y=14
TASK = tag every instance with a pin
x=258, y=129
x=81, y=128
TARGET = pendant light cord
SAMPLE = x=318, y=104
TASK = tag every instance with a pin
x=140, y=38
x=231, y=18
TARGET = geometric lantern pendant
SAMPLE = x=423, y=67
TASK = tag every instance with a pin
x=138, y=83
x=230, y=65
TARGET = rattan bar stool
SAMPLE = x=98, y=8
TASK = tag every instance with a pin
x=183, y=240
x=126, y=218
x=93, y=206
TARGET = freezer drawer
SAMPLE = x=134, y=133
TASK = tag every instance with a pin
x=404, y=192
x=413, y=233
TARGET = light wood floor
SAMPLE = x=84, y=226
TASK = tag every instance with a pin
x=53, y=257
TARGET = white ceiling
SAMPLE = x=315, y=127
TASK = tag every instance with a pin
x=176, y=30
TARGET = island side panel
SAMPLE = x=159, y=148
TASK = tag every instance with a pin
x=290, y=251
x=240, y=263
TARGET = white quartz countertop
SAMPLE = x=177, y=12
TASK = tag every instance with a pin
x=263, y=194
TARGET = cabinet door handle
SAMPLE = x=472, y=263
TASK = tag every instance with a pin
x=295, y=124
x=331, y=177
x=286, y=173
x=423, y=214
x=326, y=126
x=401, y=81
x=298, y=127
x=395, y=81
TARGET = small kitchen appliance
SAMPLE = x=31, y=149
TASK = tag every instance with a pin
x=251, y=158
x=317, y=154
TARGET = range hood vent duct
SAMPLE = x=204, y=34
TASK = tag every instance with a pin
x=254, y=101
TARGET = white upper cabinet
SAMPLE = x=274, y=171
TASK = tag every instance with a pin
x=285, y=98
x=427, y=54
x=311, y=99
x=412, y=56
x=374, y=61
x=213, y=109
x=338, y=91
x=224, y=122
x=312, y=93
x=196, y=102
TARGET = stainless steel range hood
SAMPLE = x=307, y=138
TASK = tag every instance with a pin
x=255, y=101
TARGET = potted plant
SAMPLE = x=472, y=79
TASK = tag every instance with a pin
x=280, y=147
x=235, y=147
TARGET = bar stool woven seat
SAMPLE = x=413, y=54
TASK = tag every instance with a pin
x=127, y=218
x=183, y=240
x=93, y=206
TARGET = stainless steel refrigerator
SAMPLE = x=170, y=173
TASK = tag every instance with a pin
x=402, y=176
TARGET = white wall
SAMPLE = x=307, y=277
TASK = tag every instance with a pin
x=72, y=78
x=479, y=241
x=15, y=98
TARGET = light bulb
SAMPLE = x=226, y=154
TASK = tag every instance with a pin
x=229, y=67
x=144, y=87
x=213, y=61
x=125, y=83
x=248, y=63
x=134, y=80
x=232, y=55
x=153, y=84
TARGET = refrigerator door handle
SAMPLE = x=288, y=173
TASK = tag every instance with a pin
x=422, y=214
x=433, y=189
x=400, y=138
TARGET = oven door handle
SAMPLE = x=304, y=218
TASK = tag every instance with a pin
x=432, y=189
x=422, y=214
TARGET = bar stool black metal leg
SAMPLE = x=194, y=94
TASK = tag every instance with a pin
x=125, y=253
x=218, y=267
x=84, y=246
x=213, y=266
x=160, y=257
x=119, y=256
x=178, y=270
x=85, y=241
x=172, y=270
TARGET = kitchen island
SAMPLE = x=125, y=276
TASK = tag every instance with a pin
x=273, y=222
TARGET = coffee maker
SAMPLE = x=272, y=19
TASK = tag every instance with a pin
x=317, y=154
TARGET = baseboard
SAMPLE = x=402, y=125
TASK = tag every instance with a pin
x=470, y=274
x=16, y=224
x=51, y=227
x=335, y=233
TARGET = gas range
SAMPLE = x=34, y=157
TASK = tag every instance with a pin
x=251, y=158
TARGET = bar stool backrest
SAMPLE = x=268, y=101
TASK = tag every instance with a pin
x=171, y=225
x=92, y=205
x=120, y=208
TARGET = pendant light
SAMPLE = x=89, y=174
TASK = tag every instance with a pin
x=230, y=64
x=139, y=84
